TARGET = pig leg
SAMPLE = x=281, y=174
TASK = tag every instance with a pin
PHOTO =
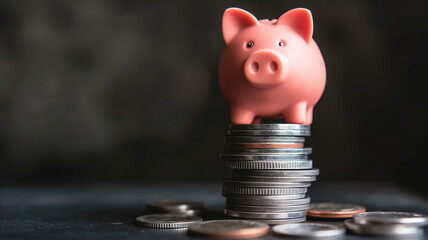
x=296, y=114
x=239, y=115
x=309, y=112
x=257, y=120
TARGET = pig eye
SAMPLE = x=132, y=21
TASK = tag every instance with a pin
x=281, y=43
x=250, y=44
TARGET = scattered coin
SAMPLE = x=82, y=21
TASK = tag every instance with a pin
x=334, y=210
x=308, y=230
x=175, y=206
x=229, y=229
x=388, y=217
x=167, y=220
x=265, y=215
x=383, y=229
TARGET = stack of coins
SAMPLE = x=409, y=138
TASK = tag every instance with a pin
x=385, y=223
x=271, y=172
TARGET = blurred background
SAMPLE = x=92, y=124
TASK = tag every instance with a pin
x=126, y=91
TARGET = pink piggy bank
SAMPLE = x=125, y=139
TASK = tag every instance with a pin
x=271, y=69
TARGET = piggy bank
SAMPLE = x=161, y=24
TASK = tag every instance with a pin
x=271, y=68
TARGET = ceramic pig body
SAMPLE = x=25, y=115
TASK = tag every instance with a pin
x=271, y=68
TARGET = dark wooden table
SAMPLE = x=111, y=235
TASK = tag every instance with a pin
x=108, y=212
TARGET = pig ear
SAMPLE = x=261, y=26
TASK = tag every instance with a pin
x=234, y=20
x=300, y=20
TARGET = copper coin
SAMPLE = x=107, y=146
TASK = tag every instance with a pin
x=264, y=145
x=229, y=229
x=334, y=210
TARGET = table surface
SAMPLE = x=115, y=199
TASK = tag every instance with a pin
x=109, y=212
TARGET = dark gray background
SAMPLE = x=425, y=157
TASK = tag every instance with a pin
x=126, y=91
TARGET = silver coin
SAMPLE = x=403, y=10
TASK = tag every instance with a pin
x=261, y=157
x=277, y=173
x=280, y=221
x=174, y=206
x=268, y=201
x=300, y=151
x=229, y=182
x=308, y=230
x=269, y=132
x=274, y=179
x=264, y=198
x=415, y=219
x=167, y=220
x=262, y=191
x=267, y=209
x=269, y=126
x=264, y=215
x=263, y=139
x=383, y=229
x=285, y=164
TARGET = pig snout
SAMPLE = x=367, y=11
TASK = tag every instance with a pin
x=266, y=68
